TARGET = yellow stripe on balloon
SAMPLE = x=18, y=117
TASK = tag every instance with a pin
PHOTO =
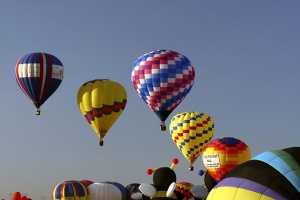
x=233, y=193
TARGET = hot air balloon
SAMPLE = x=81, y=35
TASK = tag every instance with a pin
x=191, y=132
x=132, y=188
x=104, y=190
x=70, y=190
x=86, y=182
x=223, y=154
x=270, y=175
x=24, y=198
x=39, y=75
x=121, y=187
x=16, y=196
x=209, y=182
x=185, y=189
x=164, y=184
x=162, y=78
x=101, y=102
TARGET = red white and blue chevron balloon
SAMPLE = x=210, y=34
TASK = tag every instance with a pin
x=163, y=78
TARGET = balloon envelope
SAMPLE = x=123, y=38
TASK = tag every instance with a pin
x=16, y=196
x=209, y=181
x=162, y=78
x=131, y=189
x=104, y=190
x=121, y=188
x=86, y=182
x=223, y=154
x=185, y=189
x=70, y=190
x=39, y=75
x=191, y=132
x=101, y=102
x=23, y=198
x=270, y=175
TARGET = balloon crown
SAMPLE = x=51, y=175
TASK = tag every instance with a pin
x=175, y=161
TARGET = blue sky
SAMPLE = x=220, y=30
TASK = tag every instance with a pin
x=246, y=59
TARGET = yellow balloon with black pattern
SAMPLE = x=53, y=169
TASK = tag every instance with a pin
x=101, y=102
x=191, y=132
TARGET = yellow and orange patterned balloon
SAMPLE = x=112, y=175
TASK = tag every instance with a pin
x=101, y=102
x=223, y=154
x=191, y=132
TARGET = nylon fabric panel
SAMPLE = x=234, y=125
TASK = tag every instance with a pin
x=87, y=106
x=264, y=174
x=43, y=73
x=97, y=92
x=56, y=192
x=47, y=76
x=232, y=193
x=105, y=191
x=186, y=138
x=193, y=135
x=117, y=99
x=29, y=77
x=104, y=99
x=284, y=163
x=295, y=152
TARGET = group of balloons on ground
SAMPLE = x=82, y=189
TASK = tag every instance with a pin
x=163, y=78
x=270, y=175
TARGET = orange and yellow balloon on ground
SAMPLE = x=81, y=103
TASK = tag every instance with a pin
x=221, y=155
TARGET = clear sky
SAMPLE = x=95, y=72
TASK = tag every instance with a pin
x=246, y=56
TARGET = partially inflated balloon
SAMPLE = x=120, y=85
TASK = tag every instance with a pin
x=104, y=190
x=271, y=175
x=191, y=132
x=185, y=189
x=223, y=154
x=39, y=75
x=209, y=182
x=70, y=190
x=86, y=182
x=121, y=187
x=24, y=198
x=101, y=102
x=162, y=78
x=132, y=188
x=16, y=196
